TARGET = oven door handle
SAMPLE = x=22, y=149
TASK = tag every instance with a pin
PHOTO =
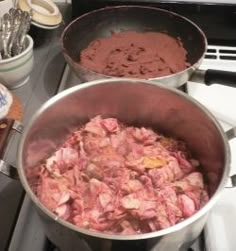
x=231, y=134
x=7, y=128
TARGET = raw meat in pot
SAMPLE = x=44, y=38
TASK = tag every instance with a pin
x=120, y=179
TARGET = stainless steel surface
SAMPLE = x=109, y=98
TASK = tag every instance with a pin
x=29, y=229
x=28, y=232
x=8, y=170
x=69, y=79
x=17, y=126
x=198, y=76
x=55, y=120
x=10, y=196
x=67, y=239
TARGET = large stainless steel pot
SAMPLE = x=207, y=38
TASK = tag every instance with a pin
x=100, y=23
x=134, y=102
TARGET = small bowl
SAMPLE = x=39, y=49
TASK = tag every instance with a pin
x=44, y=12
x=15, y=71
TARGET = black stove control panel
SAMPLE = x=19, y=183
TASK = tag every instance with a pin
x=216, y=20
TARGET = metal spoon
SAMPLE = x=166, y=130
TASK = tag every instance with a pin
x=12, y=11
x=14, y=30
x=23, y=30
x=6, y=32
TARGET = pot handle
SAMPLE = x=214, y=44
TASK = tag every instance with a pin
x=231, y=134
x=6, y=127
x=210, y=77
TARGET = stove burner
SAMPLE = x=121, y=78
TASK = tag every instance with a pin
x=125, y=247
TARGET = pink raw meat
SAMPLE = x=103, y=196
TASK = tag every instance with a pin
x=120, y=179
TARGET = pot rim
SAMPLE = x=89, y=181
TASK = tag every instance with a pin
x=193, y=66
x=159, y=233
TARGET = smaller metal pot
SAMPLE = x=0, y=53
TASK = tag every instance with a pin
x=100, y=23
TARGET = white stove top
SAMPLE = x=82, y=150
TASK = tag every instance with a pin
x=221, y=101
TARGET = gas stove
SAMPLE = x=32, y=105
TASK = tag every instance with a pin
x=21, y=229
